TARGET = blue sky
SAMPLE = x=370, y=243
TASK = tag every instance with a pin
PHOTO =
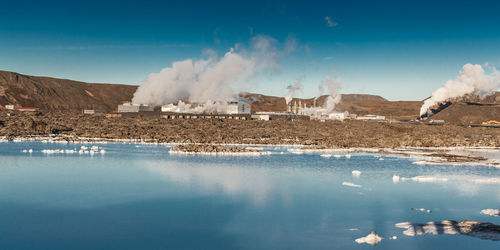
x=402, y=50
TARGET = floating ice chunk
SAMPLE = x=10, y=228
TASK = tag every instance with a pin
x=395, y=178
x=350, y=184
x=492, y=212
x=394, y=237
x=94, y=148
x=422, y=210
x=429, y=179
x=380, y=159
x=353, y=229
x=356, y=173
x=24, y=151
x=326, y=155
x=487, y=180
x=337, y=156
x=348, y=156
x=103, y=151
x=372, y=239
x=30, y=150
x=83, y=148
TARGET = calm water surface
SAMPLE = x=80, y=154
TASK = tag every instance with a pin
x=141, y=197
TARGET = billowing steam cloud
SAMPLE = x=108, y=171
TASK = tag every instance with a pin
x=208, y=80
x=331, y=101
x=471, y=80
x=334, y=94
x=291, y=90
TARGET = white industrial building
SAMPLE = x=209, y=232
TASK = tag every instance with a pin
x=259, y=116
x=230, y=108
x=234, y=107
x=133, y=107
x=371, y=117
x=171, y=107
x=338, y=115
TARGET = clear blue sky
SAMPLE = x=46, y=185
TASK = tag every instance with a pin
x=397, y=49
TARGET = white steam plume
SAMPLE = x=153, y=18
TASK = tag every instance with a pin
x=331, y=101
x=291, y=90
x=210, y=80
x=321, y=90
x=471, y=80
x=334, y=94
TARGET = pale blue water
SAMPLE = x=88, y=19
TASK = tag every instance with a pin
x=141, y=197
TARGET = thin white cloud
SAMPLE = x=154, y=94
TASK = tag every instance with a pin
x=330, y=23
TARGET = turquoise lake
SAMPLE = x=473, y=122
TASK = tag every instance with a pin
x=137, y=196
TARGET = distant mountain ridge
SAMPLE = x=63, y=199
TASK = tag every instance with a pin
x=49, y=93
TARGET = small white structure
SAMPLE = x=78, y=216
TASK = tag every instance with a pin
x=371, y=117
x=262, y=117
x=171, y=107
x=234, y=107
x=340, y=116
x=133, y=107
x=9, y=106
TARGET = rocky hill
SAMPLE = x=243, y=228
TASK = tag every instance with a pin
x=49, y=93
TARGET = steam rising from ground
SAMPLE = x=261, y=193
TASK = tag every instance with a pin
x=209, y=80
x=334, y=94
x=291, y=90
x=472, y=79
x=332, y=99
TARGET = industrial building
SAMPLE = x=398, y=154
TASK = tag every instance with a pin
x=234, y=107
x=230, y=108
x=133, y=107
x=371, y=118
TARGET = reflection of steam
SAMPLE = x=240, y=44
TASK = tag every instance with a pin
x=233, y=180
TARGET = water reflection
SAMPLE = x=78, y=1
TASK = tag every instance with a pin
x=232, y=180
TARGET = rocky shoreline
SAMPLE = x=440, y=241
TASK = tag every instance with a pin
x=209, y=149
x=313, y=134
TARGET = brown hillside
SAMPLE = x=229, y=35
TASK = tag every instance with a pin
x=463, y=113
x=360, y=104
x=60, y=94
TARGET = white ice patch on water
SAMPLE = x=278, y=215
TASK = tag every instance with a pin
x=372, y=239
x=83, y=150
x=350, y=184
x=487, y=180
x=426, y=179
x=395, y=178
x=356, y=173
x=492, y=212
x=422, y=210
x=326, y=155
